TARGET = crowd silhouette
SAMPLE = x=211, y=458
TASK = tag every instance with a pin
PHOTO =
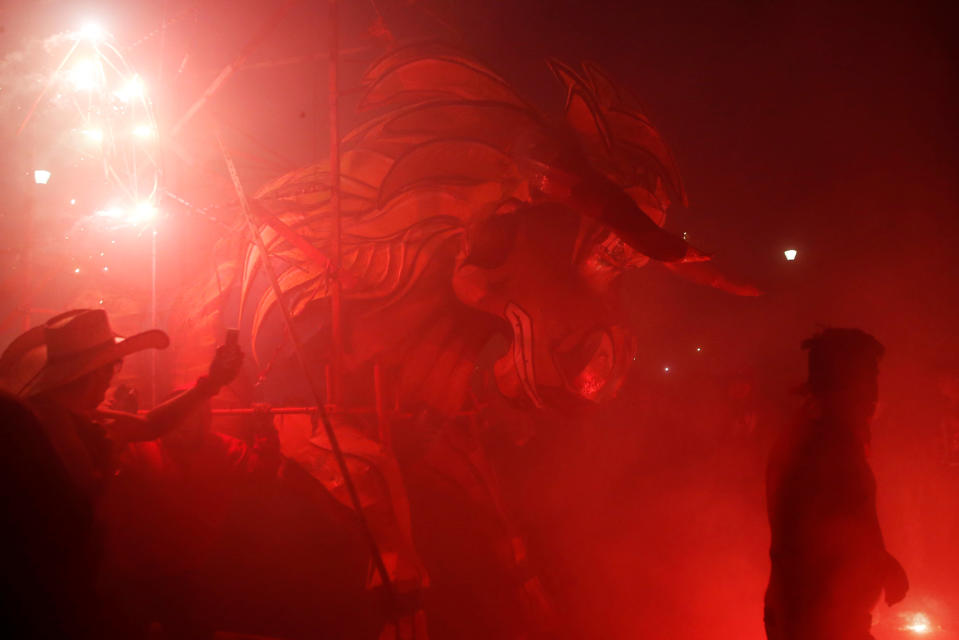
x=132, y=524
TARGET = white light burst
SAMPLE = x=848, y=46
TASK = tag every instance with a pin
x=95, y=116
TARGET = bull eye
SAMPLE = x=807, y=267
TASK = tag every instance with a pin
x=492, y=241
x=606, y=259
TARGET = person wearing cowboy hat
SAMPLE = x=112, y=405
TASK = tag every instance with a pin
x=62, y=370
x=46, y=587
x=82, y=356
x=828, y=560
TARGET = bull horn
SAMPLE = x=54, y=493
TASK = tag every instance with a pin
x=599, y=198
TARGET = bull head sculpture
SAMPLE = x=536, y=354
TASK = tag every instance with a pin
x=466, y=214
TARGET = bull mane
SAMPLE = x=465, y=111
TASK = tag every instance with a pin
x=438, y=158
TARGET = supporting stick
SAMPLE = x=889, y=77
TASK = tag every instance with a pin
x=382, y=416
x=311, y=379
x=337, y=293
x=53, y=79
x=26, y=254
x=154, y=361
x=231, y=68
x=155, y=357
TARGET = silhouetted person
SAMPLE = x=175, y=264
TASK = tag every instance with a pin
x=166, y=513
x=47, y=586
x=829, y=562
x=82, y=354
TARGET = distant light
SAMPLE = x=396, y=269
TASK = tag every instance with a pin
x=92, y=31
x=77, y=270
x=106, y=268
x=73, y=200
x=41, y=176
x=84, y=75
x=684, y=235
x=790, y=254
x=96, y=135
x=699, y=349
x=666, y=369
x=143, y=131
x=144, y=212
x=918, y=623
x=134, y=88
x=99, y=301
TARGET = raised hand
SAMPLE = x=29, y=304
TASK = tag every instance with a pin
x=225, y=365
x=124, y=399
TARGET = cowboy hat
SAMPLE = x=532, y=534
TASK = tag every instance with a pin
x=24, y=357
x=77, y=342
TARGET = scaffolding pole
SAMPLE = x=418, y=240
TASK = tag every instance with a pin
x=312, y=380
x=336, y=299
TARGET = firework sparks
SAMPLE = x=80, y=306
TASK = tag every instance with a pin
x=917, y=623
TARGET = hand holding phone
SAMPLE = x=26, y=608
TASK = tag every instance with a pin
x=227, y=360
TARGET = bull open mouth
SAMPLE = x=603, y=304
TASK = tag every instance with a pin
x=587, y=363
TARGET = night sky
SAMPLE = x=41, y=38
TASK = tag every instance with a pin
x=823, y=127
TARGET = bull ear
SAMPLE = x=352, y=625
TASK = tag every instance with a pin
x=610, y=95
x=583, y=113
x=630, y=129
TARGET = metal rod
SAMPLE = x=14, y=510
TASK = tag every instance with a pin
x=26, y=255
x=279, y=159
x=288, y=411
x=231, y=68
x=350, y=54
x=327, y=380
x=382, y=415
x=310, y=377
x=47, y=87
x=164, y=24
x=336, y=299
x=155, y=356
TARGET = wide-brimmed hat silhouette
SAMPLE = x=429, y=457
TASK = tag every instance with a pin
x=76, y=342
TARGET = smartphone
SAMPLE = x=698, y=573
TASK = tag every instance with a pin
x=233, y=337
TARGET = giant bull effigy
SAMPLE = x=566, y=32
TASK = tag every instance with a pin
x=466, y=215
